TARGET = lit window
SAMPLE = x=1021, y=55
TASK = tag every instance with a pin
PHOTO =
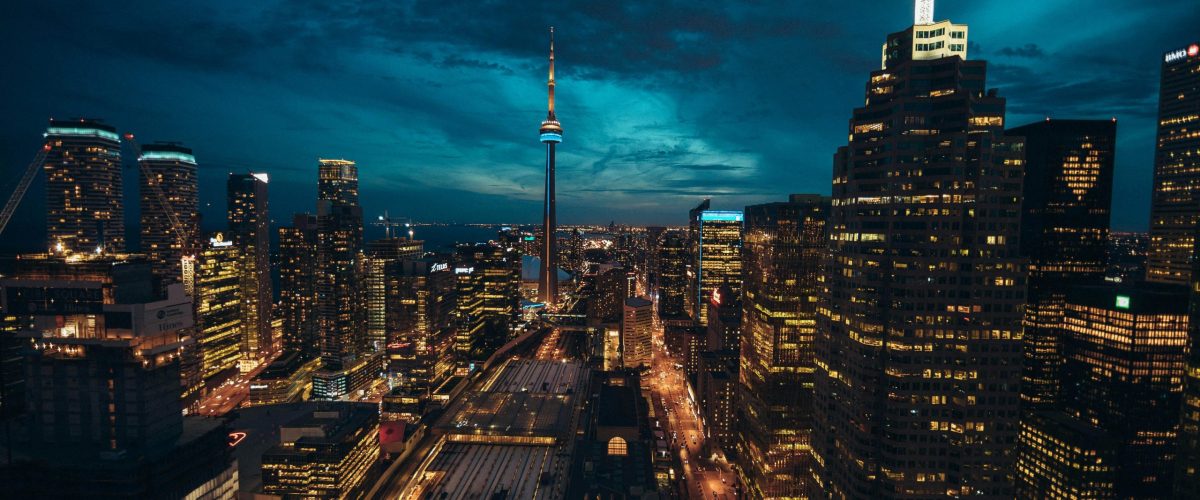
x=617, y=447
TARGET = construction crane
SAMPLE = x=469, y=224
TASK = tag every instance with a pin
x=387, y=222
x=10, y=207
x=172, y=217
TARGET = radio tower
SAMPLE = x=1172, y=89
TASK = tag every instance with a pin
x=551, y=134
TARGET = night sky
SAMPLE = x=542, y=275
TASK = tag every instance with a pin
x=663, y=102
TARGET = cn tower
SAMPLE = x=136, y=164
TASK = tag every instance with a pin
x=551, y=134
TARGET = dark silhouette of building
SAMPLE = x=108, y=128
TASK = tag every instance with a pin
x=1066, y=204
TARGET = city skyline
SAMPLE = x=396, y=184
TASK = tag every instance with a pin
x=949, y=307
x=654, y=102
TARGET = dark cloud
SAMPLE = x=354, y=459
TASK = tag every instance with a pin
x=439, y=100
x=1029, y=50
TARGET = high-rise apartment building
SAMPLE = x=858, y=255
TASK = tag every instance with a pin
x=84, y=207
x=172, y=172
x=918, y=346
x=218, y=304
x=1066, y=204
x=339, y=246
x=249, y=229
x=782, y=252
x=637, y=323
x=1175, y=202
x=719, y=254
x=298, y=285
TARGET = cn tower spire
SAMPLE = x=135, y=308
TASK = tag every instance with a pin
x=551, y=135
x=550, y=82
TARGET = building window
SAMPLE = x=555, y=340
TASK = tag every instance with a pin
x=617, y=447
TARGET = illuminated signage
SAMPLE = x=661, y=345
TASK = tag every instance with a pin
x=1192, y=50
x=464, y=270
x=716, y=297
x=529, y=238
x=1122, y=302
x=439, y=267
x=219, y=241
x=720, y=216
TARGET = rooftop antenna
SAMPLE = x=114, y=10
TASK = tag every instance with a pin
x=924, y=13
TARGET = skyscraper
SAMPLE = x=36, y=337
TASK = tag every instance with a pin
x=1175, y=203
x=84, y=209
x=1066, y=203
x=1125, y=348
x=339, y=245
x=672, y=275
x=218, y=304
x=172, y=172
x=298, y=285
x=1187, y=471
x=249, y=227
x=551, y=135
x=918, y=349
x=784, y=245
x=719, y=254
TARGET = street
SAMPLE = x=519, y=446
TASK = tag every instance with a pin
x=704, y=477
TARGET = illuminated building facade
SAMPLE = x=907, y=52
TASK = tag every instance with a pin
x=84, y=208
x=327, y=454
x=103, y=381
x=691, y=302
x=1062, y=458
x=288, y=379
x=298, y=285
x=918, y=345
x=1126, y=357
x=218, y=304
x=1066, y=204
x=717, y=386
x=172, y=170
x=724, y=330
x=249, y=228
x=637, y=322
x=614, y=284
x=374, y=283
x=1187, y=472
x=339, y=246
x=551, y=134
x=421, y=301
x=1174, y=203
x=784, y=245
x=719, y=256
x=488, y=283
x=673, y=275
